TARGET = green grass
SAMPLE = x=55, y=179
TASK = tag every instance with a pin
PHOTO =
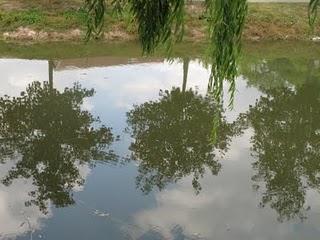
x=39, y=20
x=280, y=19
x=12, y=20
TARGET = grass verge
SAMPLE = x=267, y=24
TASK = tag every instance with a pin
x=36, y=20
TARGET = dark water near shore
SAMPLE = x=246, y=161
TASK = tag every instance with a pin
x=152, y=166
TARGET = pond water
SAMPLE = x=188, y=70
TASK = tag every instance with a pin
x=163, y=161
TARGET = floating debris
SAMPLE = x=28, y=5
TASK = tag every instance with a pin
x=316, y=39
x=100, y=213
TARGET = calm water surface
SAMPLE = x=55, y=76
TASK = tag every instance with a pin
x=152, y=166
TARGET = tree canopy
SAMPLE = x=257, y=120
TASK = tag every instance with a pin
x=286, y=145
x=49, y=137
x=172, y=138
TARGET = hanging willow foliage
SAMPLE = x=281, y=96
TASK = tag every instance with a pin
x=162, y=21
x=118, y=6
x=158, y=21
x=226, y=20
x=95, y=17
x=313, y=8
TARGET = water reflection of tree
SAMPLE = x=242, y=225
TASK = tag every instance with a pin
x=50, y=137
x=286, y=142
x=173, y=138
x=278, y=72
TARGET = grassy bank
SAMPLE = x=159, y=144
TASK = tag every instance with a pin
x=53, y=20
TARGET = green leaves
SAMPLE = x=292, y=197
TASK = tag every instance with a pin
x=158, y=21
x=162, y=21
x=313, y=8
x=173, y=139
x=48, y=128
x=226, y=20
x=285, y=144
x=95, y=19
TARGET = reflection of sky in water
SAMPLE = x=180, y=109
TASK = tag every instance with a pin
x=15, y=218
x=227, y=208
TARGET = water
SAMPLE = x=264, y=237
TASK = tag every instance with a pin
x=153, y=167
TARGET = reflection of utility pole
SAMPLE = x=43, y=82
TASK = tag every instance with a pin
x=50, y=67
x=186, y=62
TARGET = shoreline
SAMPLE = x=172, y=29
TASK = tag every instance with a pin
x=131, y=49
x=26, y=35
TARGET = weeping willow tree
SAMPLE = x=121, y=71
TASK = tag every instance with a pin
x=95, y=17
x=313, y=8
x=226, y=21
x=161, y=22
x=158, y=21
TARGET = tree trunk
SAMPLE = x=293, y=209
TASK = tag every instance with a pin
x=50, y=67
x=186, y=62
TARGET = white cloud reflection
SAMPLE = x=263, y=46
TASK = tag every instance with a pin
x=117, y=89
x=227, y=208
x=15, y=218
